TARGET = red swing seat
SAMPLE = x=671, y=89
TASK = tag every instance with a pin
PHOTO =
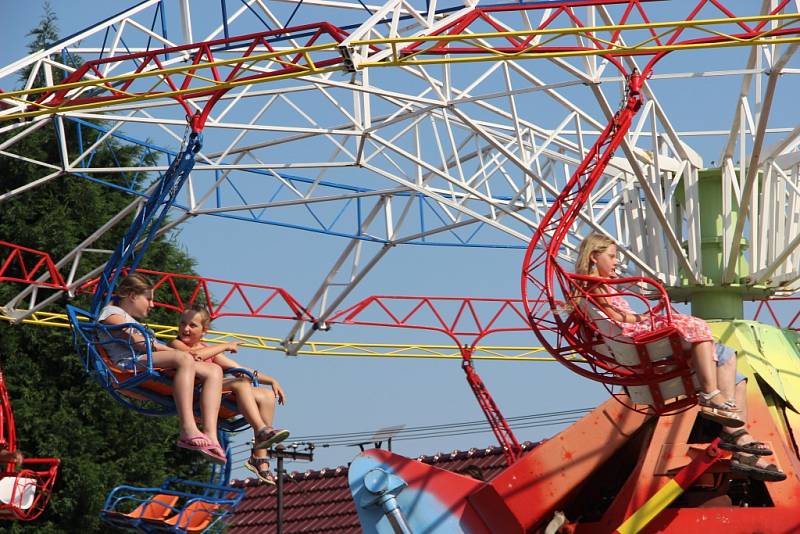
x=653, y=367
x=24, y=492
x=658, y=358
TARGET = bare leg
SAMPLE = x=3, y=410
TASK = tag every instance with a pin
x=248, y=406
x=703, y=361
x=266, y=407
x=210, y=375
x=726, y=380
x=182, y=388
x=713, y=404
x=740, y=395
x=266, y=404
x=704, y=364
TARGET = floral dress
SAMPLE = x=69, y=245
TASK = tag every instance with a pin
x=692, y=329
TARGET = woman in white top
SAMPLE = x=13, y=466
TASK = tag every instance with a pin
x=127, y=349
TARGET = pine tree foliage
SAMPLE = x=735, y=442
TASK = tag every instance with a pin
x=59, y=411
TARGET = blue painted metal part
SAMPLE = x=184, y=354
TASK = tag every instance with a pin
x=422, y=510
x=427, y=210
x=382, y=489
x=138, y=386
x=146, y=223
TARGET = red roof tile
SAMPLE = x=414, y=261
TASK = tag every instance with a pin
x=319, y=501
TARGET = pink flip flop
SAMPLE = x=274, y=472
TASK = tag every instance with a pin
x=219, y=452
x=207, y=450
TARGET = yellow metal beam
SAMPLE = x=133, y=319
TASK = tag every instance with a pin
x=313, y=348
x=642, y=47
x=786, y=18
x=645, y=46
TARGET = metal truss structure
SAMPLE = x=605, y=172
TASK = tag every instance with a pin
x=465, y=320
x=434, y=123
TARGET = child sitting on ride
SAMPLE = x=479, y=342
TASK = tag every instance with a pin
x=9, y=457
x=257, y=405
x=597, y=256
x=127, y=349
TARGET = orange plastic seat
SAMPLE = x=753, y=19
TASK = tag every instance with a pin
x=195, y=517
x=157, y=508
x=228, y=410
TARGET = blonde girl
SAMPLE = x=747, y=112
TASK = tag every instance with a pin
x=715, y=364
x=257, y=405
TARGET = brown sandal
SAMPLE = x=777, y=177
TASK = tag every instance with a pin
x=745, y=464
x=727, y=441
x=268, y=436
x=260, y=466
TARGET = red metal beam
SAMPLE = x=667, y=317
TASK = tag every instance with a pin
x=465, y=320
x=175, y=292
x=633, y=13
x=25, y=265
x=182, y=81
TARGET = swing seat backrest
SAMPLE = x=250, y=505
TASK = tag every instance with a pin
x=614, y=344
x=656, y=350
x=158, y=507
x=17, y=492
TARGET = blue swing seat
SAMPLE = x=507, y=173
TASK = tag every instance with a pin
x=138, y=385
x=180, y=506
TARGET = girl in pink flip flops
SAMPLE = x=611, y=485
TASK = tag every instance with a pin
x=257, y=405
x=126, y=348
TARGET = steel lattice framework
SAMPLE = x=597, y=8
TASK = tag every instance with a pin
x=437, y=123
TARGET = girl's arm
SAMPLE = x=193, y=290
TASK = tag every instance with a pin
x=205, y=353
x=139, y=341
x=157, y=345
x=614, y=313
x=265, y=380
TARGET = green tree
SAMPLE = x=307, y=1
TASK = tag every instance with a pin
x=59, y=411
x=41, y=37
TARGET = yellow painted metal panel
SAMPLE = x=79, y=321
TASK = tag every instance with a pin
x=772, y=354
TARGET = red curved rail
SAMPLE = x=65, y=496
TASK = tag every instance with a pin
x=634, y=12
x=175, y=292
x=223, y=298
x=765, y=307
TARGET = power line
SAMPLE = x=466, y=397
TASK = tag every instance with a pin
x=348, y=439
x=482, y=422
